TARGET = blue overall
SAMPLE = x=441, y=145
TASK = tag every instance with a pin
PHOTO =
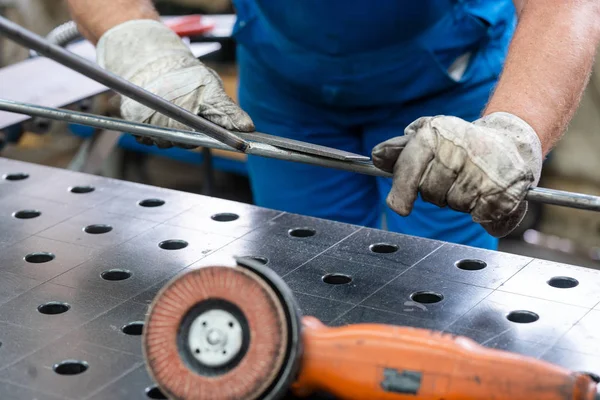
x=350, y=74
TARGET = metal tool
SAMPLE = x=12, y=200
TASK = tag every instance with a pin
x=203, y=339
x=261, y=148
x=126, y=88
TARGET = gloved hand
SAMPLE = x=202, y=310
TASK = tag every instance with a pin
x=483, y=168
x=151, y=55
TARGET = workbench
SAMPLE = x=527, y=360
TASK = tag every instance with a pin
x=82, y=256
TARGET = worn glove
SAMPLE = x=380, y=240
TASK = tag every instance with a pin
x=483, y=168
x=152, y=56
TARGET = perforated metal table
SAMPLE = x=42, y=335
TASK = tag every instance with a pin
x=82, y=256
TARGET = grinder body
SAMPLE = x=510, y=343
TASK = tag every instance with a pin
x=379, y=362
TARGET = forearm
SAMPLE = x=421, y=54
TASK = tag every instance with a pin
x=548, y=65
x=95, y=17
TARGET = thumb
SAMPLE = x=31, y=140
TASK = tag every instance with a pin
x=385, y=154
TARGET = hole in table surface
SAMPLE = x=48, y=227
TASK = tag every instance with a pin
x=39, y=258
x=81, y=189
x=522, y=316
x=173, y=244
x=225, y=217
x=54, y=308
x=426, y=297
x=133, y=328
x=471, y=264
x=97, y=229
x=27, y=214
x=154, y=392
x=116, y=274
x=383, y=248
x=563, y=282
x=70, y=367
x=337, y=279
x=18, y=176
x=302, y=232
x=151, y=203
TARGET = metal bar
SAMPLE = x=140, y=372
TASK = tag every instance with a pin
x=29, y=39
x=566, y=199
x=541, y=195
x=185, y=137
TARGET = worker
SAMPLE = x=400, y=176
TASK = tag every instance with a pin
x=461, y=99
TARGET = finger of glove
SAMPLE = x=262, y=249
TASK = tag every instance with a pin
x=196, y=89
x=408, y=171
x=163, y=144
x=495, y=205
x=437, y=181
x=417, y=125
x=185, y=146
x=465, y=191
x=216, y=106
x=143, y=140
x=386, y=154
x=160, y=119
x=505, y=226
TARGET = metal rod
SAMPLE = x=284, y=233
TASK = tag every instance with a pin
x=562, y=198
x=29, y=39
x=541, y=195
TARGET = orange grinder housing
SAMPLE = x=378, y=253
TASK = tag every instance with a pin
x=369, y=361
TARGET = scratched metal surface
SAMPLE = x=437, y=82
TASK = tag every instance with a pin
x=103, y=282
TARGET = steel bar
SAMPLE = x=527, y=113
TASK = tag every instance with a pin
x=562, y=198
x=541, y=195
x=29, y=39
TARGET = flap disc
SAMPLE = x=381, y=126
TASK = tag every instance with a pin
x=218, y=333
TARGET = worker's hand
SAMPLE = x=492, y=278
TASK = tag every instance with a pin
x=151, y=55
x=482, y=168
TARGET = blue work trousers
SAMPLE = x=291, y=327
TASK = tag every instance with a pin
x=366, y=103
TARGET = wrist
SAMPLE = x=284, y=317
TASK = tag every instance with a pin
x=94, y=17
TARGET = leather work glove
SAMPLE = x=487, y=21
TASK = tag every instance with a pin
x=483, y=168
x=151, y=55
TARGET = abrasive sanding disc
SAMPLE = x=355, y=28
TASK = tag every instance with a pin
x=215, y=333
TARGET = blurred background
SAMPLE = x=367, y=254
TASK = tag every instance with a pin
x=549, y=232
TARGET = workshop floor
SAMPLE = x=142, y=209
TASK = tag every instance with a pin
x=57, y=150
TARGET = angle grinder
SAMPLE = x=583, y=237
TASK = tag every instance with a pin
x=234, y=331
